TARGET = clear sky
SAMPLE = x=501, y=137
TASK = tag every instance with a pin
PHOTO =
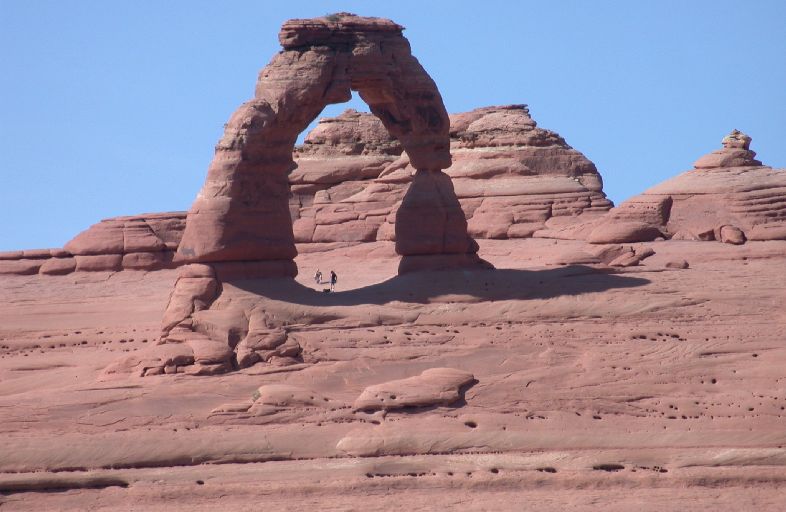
x=113, y=107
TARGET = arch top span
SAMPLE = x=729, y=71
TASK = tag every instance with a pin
x=242, y=211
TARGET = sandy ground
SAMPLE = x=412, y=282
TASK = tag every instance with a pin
x=642, y=388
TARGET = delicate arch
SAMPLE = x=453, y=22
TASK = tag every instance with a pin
x=242, y=212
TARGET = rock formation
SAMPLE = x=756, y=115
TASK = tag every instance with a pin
x=242, y=212
x=585, y=363
x=728, y=196
x=139, y=242
x=511, y=178
x=435, y=386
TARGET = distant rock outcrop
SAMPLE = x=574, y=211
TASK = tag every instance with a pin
x=138, y=242
x=729, y=196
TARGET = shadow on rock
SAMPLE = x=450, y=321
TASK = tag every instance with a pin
x=451, y=285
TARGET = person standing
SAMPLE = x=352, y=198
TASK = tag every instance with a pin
x=333, y=280
x=318, y=277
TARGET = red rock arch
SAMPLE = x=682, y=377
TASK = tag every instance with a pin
x=242, y=212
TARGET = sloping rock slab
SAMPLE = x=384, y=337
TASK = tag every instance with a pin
x=435, y=386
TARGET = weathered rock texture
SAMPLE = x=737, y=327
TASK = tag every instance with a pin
x=511, y=179
x=242, y=212
x=643, y=384
x=728, y=196
x=435, y=386
x=138, y=242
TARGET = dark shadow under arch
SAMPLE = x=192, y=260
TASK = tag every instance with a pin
x=482, y=284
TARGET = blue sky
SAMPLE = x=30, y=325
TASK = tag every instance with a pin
x=113, y=107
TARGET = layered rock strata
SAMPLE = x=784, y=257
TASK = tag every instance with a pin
x=139, y=242
x=729, y=196
x=511, y=178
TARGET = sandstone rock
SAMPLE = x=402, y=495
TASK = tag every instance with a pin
x=228, y=326
x=151, y=232
x=207, y=369
x=436, y=386
x=267, y=339
x=242, y=212
x=735, y=153
x=99, y=263
x=608, y=253
x=58, y=266
x=678, y=264
x=727, y=188
x=284, y=395
x=208, y=351
x=615, y=232
x=429, y=220
x=625, y=260
x=22, y=267
x=106, y=237
x=731, y=235
x=34, y=254
x=189, y=295
x=11, y=255
x=196, y=270
x=509, y=177
x=152, y=361
x=147, y=260
x=246, y=357
x=764, y=232
x=576, y=257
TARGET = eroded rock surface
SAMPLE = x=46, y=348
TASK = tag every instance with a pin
x=510, y=177
x=586, y=372
x=435, y=386
x=729, y=196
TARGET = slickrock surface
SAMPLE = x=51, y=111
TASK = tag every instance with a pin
x=729, y=197
x=179, y=361
x=642, y=387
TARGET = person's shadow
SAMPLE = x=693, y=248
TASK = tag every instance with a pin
x=426, y=287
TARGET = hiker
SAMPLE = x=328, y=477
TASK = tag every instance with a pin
x=333, y=280
x=318, y=277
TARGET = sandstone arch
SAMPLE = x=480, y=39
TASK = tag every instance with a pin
x=242, y=213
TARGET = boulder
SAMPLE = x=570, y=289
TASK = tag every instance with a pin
x=677, y=264
x=731, y=235
x=435, y=386
x=287, y=396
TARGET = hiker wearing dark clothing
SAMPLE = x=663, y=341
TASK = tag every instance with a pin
x=333, y=280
